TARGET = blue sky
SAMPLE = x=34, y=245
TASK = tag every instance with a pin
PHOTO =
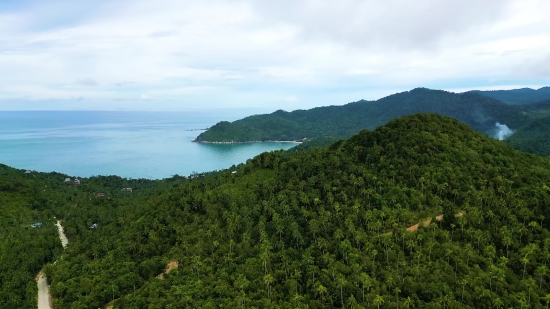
x=266, y=55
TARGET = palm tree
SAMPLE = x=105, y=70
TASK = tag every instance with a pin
x=541, y=272
x=268, y=280
x=341, y=282
x=352, y=302
x=524, y=261
x=530, y=283
x=373, y=253
x=321, y=291
x=397, y=291
x=378, y=300
x=390, y=281
x=408, y=302
x=366, y=281
x=497, y=302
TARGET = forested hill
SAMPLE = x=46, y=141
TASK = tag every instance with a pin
x=533, y=137
x=327, y=228
x=478, y=111
x=518, y=96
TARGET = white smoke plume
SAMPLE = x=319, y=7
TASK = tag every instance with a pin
x=502, y=131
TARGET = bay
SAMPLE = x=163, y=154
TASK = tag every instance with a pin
x=151, y=145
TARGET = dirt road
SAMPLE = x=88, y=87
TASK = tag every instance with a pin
x=43, y=293
x=43, y=287
x=64, y=240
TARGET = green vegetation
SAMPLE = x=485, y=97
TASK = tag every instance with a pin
x=478, y=111
x=324, y=227
x=518, y=96
x=537, y=110
x=533, y=138
x=28, y=235
x=23, y=249
x=314, y=143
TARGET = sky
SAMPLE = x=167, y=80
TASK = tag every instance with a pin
x=268, y=55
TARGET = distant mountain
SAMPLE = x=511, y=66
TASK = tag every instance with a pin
x=518, y=96
x=533, y=138
x=478, y=111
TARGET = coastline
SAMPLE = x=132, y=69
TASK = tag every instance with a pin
x=247, y=142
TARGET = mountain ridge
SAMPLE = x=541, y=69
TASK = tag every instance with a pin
x=521, y=96
x=474, y=109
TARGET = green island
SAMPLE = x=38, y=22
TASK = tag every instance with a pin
x=476, y=110
x=340, y=226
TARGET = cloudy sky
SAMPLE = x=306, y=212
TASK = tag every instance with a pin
x=183, y=55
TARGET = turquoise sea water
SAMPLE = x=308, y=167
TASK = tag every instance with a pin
x=129, y=144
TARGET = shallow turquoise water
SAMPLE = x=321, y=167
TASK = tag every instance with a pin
x=130, y=144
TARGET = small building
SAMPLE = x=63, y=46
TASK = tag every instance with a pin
x=234, y=172
x=27, y=172
x=100, y=194
x=127, y=190
x=94, y=226
x=67, y=180
x=37, y=224
x=77, y=181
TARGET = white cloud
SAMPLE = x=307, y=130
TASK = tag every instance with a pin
x=88, y=82
x=251, y=52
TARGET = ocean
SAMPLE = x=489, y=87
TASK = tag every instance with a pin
x=151, y=145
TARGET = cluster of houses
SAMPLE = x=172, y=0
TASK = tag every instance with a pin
x=102, y=194
x=76, y=181
x=29, y=172
x=195, y=176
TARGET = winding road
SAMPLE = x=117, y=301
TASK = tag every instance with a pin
x=44, y=298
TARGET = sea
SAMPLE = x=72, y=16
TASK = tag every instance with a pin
x=130, y=144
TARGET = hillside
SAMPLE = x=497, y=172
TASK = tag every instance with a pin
x=24, y=249
x=533, y=138
x=518, y=96
x=28, y=235
x=537, y=110
x=478, y=111
x=326, y=228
